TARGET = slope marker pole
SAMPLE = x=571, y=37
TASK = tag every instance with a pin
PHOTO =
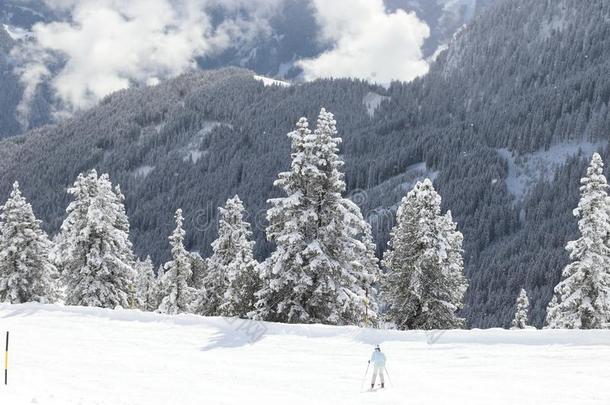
x=6, y=361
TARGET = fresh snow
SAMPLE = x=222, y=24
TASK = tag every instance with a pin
x=267, y=81
x=76, y=355
x=524, y=170
x=372, y=101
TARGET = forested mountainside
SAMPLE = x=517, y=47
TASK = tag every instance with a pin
x=191, y=142
x=10, y=89
x=12, y=92
x=502, y=123
x=521, y=90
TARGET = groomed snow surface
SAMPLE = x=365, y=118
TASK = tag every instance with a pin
x=73, y=355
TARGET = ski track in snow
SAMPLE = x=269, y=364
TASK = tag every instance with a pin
x=73, y=355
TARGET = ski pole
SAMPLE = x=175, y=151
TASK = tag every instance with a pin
x=389, y=379
x=365, y=373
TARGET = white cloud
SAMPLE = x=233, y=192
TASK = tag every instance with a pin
x=108, y=45
x=367, y=42
x=111, y=43
x=32, y=70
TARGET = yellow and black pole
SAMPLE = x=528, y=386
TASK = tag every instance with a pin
x=6, y=361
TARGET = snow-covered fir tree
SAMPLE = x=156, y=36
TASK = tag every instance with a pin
x=26, y=270
x=161, y=287
x=177, y=295
x=324, y=265
x=147, y=286
x=231, y=279
x=582, y=298
x=362, y=274
x=425, y=284
x=199, y=268
x=521, y=314
x=95, y=254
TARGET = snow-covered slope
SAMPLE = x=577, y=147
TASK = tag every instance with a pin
x=267, y=81
x=72, y=355
x=372, y=101
x=525, y=170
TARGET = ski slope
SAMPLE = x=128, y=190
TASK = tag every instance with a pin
x=72, y=355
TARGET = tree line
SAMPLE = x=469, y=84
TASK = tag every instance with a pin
x=323, y=268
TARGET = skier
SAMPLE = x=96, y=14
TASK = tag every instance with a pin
x=378, y=360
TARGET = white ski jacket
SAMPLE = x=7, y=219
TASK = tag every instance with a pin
x=378, y=359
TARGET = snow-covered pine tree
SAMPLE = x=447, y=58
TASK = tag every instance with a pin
x=425, y=284
x=231, y=278
x=177, y=294
x=455, y=282
x=521, y=315
x=199, y=268
x=324, y=266
x=582, y=298
x=161, y=284
x=361, y=308
x=26, y=270
x=286, y=282
x=95, y=254
x=147, y=286
x=232, y=270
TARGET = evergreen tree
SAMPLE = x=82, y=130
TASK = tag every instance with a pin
x=177, y=294
x=233, y=256
x=26, y=270
x=231, y=278
x=424, y=285
x=199, y=268
x=324, y=264
x=94, y=252
x=161, y=285
x=147, y=286
x=582, y=298
x=363, y=272
x=521, y=315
